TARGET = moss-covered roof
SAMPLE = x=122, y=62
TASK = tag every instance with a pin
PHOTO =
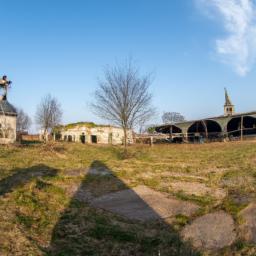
x=80, y=124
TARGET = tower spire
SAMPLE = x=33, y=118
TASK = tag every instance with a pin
x=229, y=108
x=227, y=99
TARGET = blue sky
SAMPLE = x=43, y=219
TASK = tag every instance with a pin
x=61, y=47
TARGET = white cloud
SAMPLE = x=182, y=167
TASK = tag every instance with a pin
x=238, y=48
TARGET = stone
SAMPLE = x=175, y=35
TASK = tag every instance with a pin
x=247, y=227
x=211, y=231
x=143, y=204
x=241, y=198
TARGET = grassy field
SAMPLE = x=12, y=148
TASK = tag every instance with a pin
x=39, y=214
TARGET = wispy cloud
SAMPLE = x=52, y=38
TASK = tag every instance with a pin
x=238, y=48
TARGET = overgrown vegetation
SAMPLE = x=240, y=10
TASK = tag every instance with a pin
x=40, y=213
x=77, y=125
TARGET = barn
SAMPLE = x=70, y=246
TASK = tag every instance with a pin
x=229, y=126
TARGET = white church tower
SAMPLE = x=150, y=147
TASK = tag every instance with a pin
x=229, y=108
x=8, y=115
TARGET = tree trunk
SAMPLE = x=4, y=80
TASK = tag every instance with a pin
x=125, y=138
x=45, y=136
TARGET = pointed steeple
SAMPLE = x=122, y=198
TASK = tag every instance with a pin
x=227, y=99
x=229, y=108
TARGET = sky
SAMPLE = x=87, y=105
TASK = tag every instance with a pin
x=193, y=48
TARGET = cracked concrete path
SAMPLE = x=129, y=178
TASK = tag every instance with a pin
x=142, y=203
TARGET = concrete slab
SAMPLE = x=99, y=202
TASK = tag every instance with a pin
x=247, y=226
x=142, y=203
x=211, y=231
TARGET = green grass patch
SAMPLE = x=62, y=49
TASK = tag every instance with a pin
x=39, y=186
x=203, y=201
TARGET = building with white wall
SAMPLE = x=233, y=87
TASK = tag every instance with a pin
x=8, y=119
x=91, y=133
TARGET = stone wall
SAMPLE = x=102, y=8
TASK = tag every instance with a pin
x=7, y=129
x=100, y=134
x=29, y=137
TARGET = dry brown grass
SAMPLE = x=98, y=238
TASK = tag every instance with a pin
x=37, y=183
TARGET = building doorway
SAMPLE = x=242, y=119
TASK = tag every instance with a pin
x=82, y=138
x=110, y=138
x=94, y=138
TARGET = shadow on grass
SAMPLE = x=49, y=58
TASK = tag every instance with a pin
x=101, y=222
x=22, y=176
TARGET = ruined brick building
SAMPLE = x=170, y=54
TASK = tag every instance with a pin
x=86, y=132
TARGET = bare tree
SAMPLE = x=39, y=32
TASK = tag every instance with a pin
x=172, y=117
x=123, y=97
x=23, y=121
x=48, y=114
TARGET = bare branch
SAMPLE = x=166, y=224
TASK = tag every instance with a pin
x=122, y=97
x=172, y=117
x=23, y=121
x=48, y=113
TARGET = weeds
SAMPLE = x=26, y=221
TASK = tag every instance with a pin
x=34, y=195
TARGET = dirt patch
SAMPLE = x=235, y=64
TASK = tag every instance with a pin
x=183, y=176
x=237, y=181
x=197, y=189
x=241, y=198
x=146, y=175
x=142, y=203
x=211, y=231
x=248, y=226
x=75, y=172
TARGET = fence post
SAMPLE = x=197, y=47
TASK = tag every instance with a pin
x=242, y=125
x=151, y=141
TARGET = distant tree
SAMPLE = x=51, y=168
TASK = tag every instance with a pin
x=48, y=114
x=23, y=121
x=143, y=124
x=172, y=117
x=123, y=97
x=150, y=128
